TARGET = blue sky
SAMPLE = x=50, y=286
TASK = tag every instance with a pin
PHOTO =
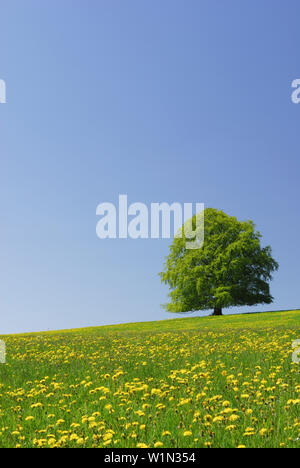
x=186, y=101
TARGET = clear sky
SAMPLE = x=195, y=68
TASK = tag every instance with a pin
x=186, y=101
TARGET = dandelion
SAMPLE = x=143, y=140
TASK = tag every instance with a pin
x=158, y=444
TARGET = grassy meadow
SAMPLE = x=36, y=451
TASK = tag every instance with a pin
x=187, y=382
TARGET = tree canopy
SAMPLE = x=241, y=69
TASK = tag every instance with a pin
x=230, y=269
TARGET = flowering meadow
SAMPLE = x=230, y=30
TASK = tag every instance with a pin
x=188, y=382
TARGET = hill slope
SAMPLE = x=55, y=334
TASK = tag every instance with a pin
x=190, y=382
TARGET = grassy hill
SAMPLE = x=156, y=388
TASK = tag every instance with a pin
x=187, y=382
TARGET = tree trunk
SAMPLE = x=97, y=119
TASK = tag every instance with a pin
x=217, y=311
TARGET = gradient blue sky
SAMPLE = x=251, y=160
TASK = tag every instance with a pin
x=186, y=101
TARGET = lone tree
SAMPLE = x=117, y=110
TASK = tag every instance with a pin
x=230, y=269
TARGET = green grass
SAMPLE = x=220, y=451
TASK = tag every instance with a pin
x=186, y=382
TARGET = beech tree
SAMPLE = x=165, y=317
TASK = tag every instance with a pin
x=230, y=269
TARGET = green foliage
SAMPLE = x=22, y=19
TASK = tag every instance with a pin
x=231, y=269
